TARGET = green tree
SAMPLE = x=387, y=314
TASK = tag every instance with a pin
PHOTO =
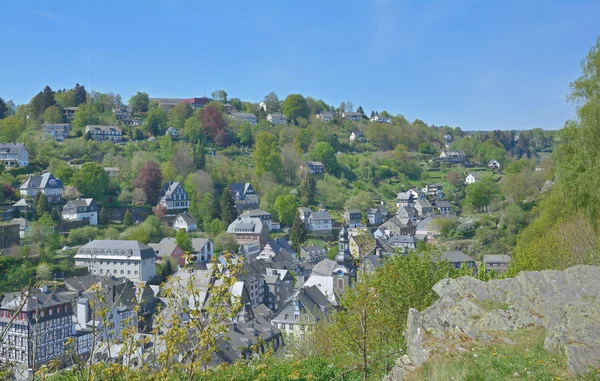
x=228, y=209
x=192, y=129
x=479, y=195
x=42, y=206
x=12, y=127
x=295, y=106
x=139, y=102
x=308, y=189
x=244, y=134
x=156, y=121
x=179, y=114
x=103, y=218
x=200, y=155
x=128, y=218
x=207, y=209
x=80, y=94
x=297, y=233
x=41, y=102
x=286, y=207
x=272, y=102
x=184, y=241
x=92, y=180
x=324, y=153
x=220, y=95
x=52, y=115
x=86, y=115
x=426, y=148
x=266, y=155
x=3, y=109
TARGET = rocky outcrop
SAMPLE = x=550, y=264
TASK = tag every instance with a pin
x=565, y=303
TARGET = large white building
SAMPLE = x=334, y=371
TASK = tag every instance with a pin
x=101, y=133
x=81, y=209
x=47, y=184
x=174, y=198
x=123, y=258
x=14, y=155
x=277, y=119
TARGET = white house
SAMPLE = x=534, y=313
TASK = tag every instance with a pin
x=102, y=133
x=494, y=164
x=203, y=249
x=14, y=155
x=185, y=221
x=47, y=184
x=380, y=119
x=58, y=131
x=472, y=178
x=174, y=198
x=81, y=210
x=277, y=119
x=325, y=116
x=357, y=136
x=355, y=116
x=130, y=259
x=244, y=116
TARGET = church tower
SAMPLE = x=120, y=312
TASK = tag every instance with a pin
x=344, y=273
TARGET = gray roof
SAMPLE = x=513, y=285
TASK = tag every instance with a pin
x=496, y=258
x=11, y=148
x=312, y=248
x=199, y=243
x=354, y=211
x=20, y=221
x=321, y=215
x=443, y=204
x=165, y=247
x=243, y=115
x=404, y=196
x=456, y=257
x=102, y=128
x=409, y=209
x=79, y=203
x=399, y=239
x=170, y=188
x=47, y=180
x=116, y=248
x=314, y=164
x=187, y=218
x=280, y=244
x=324, y=267
x=476, y=175
x=21, y=202
x=255, y=213
x=35, y=301
x=239, y=189
x=423, y=203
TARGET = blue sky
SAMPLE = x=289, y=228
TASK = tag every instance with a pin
x=477, y=64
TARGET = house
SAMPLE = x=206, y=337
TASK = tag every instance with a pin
x=59, y=132
x=494, y=164
x=374, y=216
x=302, y=312
x=444, y=207
x=408, y=212
x=313, y=253
x=82, y=209
x=186, y=222
x=113, y=172
x=380, y=119
x=204, y=249
x=245, y=196
x=274, y=247
x=168, y=103
x=249, y=230
x=39, y=332
x=168, y=248
x=313, y=167
x=398, y=226
x=355, y=116
x=403, y=242
x=428, y=227
x=69, y=112
x=423, y=207
x=174, y=198
x=280, y=287
x=454, y=157
x=130, y=259
x=320, y=222
x=265, y=217
x=497, y=262
x=457, y=258
x=325, y=116
x=404, y=199
x=435, y=190
x=304, y=214
x=196, y=103
x=473, y=178
x=14, y=155
x=23, y=225
x=102, y=133
x=47, y=184
x=357, y=136
x=277, y=119
x=244, y=116
x=253, y=275
x=172, y=132
x=448, y=138
x=353, y=218
x=417, y=193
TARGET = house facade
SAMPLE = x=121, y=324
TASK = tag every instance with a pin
x=245, y=196
x=320, y=222
x=245, y=116
x=174, y=198
x=408, y=212
x=313, y=167
x=102, y=133
x=357, y=136
x=168, y=248
x=444, y=207
x=203, y=249
x=130, y=259
x=313, y=253
x=265, y=217
x=374, y=216
x=494, y=164
x=497, y=262
x=47, y=184
x=423, y=207
x=325, y=116
x=380, y=119
x=58, y=132
x=69, y=112
x=14, y=155
x=353, y=218
x=277, y=119
x=472, y=178
x=454, y=157
x=355, y=116
x=186, y=222
x=83, y=209
x=404, y=199
x=249, y=230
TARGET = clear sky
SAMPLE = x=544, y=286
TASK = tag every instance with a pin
x=479, y=64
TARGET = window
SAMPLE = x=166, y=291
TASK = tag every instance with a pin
x=128, y=272
x=287, y=317
x=136, y=272
x=296, y=317
x=122, y=272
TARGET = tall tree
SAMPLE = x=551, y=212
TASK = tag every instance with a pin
x=103, y=218
x=156, y=121
x=184, y=241
x=179, y=114
x=183, y=160
x=342, y=107
x=149, y=179
x=41, y=102
x=220, y=95
x=3, y=109
x=92, y=180
x=266, y=155
x=324, y=153
x=207, y=209
x=349, y=106
x=200, y=155
x=42, y=205
x=128, y=218
x=52, y=115
x=286, y=207
x=308, y=189
x=272, y=101
x=212, y=121
x=228, y=209
x=139, y=102
x=80, y=94
x=297, y=233
x=360, y=110
x=86, y=114
x=295, y=106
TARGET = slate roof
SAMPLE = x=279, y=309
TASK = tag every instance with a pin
x=280, y=244
x=165, y=247
x=199, y=243
x=404, y=196
x=42, y=182
x=496, y=258
x=423, y=203
x=456, y=257
x=170, y=188
x=246, y=225
x=255, y=213
x=11, y=148
x=402, y=239
x=35, y=301
x=321, y=215
x=117, y=247
x=79, y=203
x=443, y=204
x=324, y=267
x=187, y=218
x=239, y=190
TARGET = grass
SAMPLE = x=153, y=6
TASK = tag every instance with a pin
x=490, y=305
x=526, y=359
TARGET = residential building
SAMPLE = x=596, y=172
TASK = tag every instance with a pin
x=304, y=214
x=473, y=178
x=374, y=216
x=403, y=242
x=14, y=155
x=435, y=190
x=265, y=217
x=245, y=196
x=113, y=172
x=408, y=212
x=168, y=248
x=249, y=230
x=59, y=132
x=398, y=226
x=324, y=268
x=313, y=167
x=69, y=112
x=47, y=184
x=38, y=333
x=82, y=209
x=353, y=218
x=454, y=157
x=279, y=288
x=174, y=198
x=494, y=164
x=417, y=193
x=405, y=199
x=448, y=138
x=186, y=222
x=357, y=136
x=196, y=103
x=381, y=119
x=173, y=133
x=102, y=133
x=313, y=253
x=244, y=116
x=355, y=116
x=130, y=259
x=457, y=258
x=423, y=207
x=253, y=274
x=168, y=103
x=320, y=222
x=277, y=119
x=325, y=116
x=496, y=262
x=203, y=249
x=444, y=207
x=23, y=225
x=274, y=247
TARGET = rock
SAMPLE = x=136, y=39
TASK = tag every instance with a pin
x=581, y=357
x=516, y=375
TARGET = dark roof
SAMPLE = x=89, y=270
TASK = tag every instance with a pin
x=456, y=256
x=79, y=203
x=280, y=244
x=35, y=301
x=443, y=204
x=47, y=180
x=324, y=267
x=187, y=218
x=320, y=215
x=11, y=148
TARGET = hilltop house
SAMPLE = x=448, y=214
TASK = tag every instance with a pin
x=186, y=222
x=444, y=207
x=245, y=196
x=174, y=198
x=102, y=133
x=380, y=119
x=59, y=132
x=69, y=112
x=325, y=116
x=14, y=155
x=494, y=164
x=457, y=258
x=313, y=167
x=455, y=157
x=47, y=184
x=355, y=116
x=357, y=136
x=244, y=116
x=277, y=119
x=83, y=209
x=473, y=178
x=319, y=222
